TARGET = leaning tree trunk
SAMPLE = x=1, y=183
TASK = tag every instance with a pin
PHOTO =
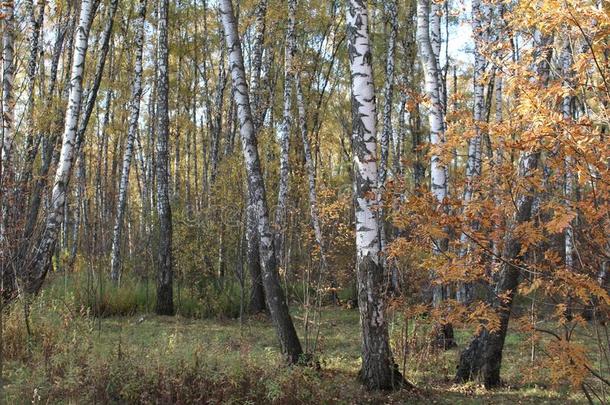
x=378, y=368
x=482, y=359
x=134, y=105
x=35, y=274
x=32, y=140
x=438, y=174
x=276, y=301
x=284, y=136
x=165, y=275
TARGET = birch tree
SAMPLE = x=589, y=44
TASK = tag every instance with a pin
x=276, y=301
x=480, y=21
x=386, y=132
x=8, y=104
x=311, y=179
x=283, y=135
x=438, y=172
x=165, y=275
x=35, y=23
x=134, y=106
x=378, y=369
x=257, y=293
x=257, y=60
x=388, y=90
x=34, y=275
x=570, y=179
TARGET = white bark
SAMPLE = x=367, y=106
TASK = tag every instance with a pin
x=438, y=172
x=8, y=73
x=364, y=134
x=276, y=301
x=480, y=21
x=257, y=60
x=378, y=369
x=134, y=106
x=7, y=110
x=64, y=168
x=433, y=92
x=311, y=174
x=570, y=180
x=388, y=91
x=283, y=134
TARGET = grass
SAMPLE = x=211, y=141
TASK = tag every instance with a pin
x=142, y=358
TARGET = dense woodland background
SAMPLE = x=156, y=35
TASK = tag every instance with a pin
x=180, y=179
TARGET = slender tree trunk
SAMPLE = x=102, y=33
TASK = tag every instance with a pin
x=8, y=104
x=570, y=181
x=257, y=295
x=35, y=275
x=311, y=177
x=379, y=371
x=99, y=71
x=283, y=135
x=276, y=301
x=438, y=172
x=218, y=109
x=165, y=275
x=134, y=105
x=257, y=62
x=480, y=21
x=388, y=93
x=32, y=138
x=386, y=132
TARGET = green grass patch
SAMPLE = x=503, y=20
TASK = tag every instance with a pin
x=73, y=357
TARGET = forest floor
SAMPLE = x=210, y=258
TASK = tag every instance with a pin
x=71, y=358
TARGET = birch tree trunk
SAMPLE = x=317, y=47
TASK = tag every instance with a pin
x=276, y=301
x=8, y=73
x=218, y=106
x=438, y=172
x=283, y=135
x=379, y=371
x=8, y=104
x=311, y=177
x=388, y=91
x=480, y=19
x=99, y=71
x=570, y=185
x=386, y=132
x=165, y=275
x=34, y=275
x=32, y=139
x=257, y=294
x=257, y=61
x=134, y=106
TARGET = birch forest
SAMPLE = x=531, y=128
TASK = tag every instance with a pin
x=305, y=201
